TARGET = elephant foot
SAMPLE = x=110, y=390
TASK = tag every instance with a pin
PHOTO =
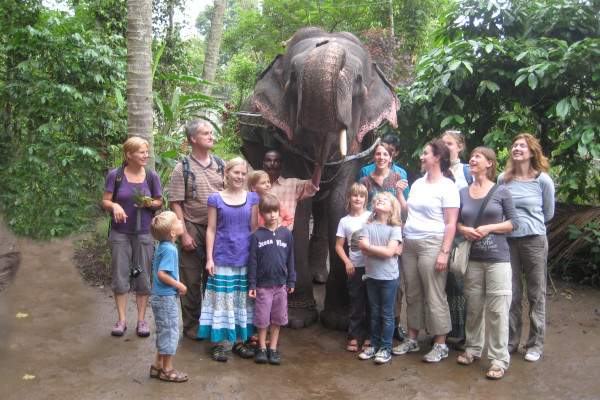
x=319, y=277
x=302, y=314
x=335, y=319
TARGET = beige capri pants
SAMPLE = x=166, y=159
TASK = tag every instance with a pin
x=427, y=304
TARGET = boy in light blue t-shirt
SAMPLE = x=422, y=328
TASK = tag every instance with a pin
x=166, y=228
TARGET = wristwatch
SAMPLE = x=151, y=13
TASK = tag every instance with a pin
x=445, y=251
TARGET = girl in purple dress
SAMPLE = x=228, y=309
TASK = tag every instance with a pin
x=227, y=310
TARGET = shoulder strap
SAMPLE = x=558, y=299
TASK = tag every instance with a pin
x=185, y=169
x=150, y=180
x=467, y=173
x=118, y=180
x=485, y=201
x=220, y=164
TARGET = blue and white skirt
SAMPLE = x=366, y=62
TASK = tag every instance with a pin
x=227, y=310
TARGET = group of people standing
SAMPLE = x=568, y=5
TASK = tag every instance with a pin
x=231, y=274
x=452, y=202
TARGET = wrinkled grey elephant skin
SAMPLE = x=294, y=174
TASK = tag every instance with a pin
x=322, y=92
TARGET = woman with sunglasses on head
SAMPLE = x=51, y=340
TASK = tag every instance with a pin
x=454, y=284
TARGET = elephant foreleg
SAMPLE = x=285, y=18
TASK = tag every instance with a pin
x=318, y=245
x=302, y=310
x=335, y=313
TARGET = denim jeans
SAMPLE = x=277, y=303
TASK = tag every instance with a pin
x=381, y=299
x=166, y=316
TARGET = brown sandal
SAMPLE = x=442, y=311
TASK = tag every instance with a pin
x=495, y=368
x=469, y=358
x=154, y=372
x=172, y=376
x=352, y=345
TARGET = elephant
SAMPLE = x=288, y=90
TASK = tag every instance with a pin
x=320, y=101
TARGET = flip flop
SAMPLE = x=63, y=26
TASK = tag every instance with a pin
x=172, y=376
x=470, y=358
x=154, y=372
x=495, y=368
x=352, y=345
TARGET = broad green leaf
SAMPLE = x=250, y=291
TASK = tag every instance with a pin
x=446, y=121
x=459, y=119
x=453, y=65
x=562, y=108
x=493, y=86
x=575, y=103
x=119, y=97
x=175, y=101
x=170, y=154
x=532, y=80
x=157, y=57
x=587, y=137
x=520, y=56
x=468, y=66
x=444, y=78
x=582, y=150
x=489, y=47
x=520, y=79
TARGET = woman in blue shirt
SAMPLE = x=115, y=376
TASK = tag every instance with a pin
x=526, y=176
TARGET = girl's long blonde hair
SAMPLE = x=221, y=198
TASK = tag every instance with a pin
x=538, y=162
x=395, y=218
x=356, y=188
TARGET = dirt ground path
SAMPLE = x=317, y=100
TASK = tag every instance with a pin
x=55, y=343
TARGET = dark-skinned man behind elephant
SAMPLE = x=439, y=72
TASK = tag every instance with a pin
x=319, y=104
x=291, y=190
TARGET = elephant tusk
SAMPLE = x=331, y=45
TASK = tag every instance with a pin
x=343, y=143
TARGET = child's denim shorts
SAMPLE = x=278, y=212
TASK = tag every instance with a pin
x=166, y=316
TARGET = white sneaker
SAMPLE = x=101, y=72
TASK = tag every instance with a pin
x=367, y=353
x=382, y=356
x=437, y=354
x=407, y=346
x=532, y=356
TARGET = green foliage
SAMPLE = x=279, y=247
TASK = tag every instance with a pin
x=585, y=263
x=229, y=141
x=263, y=30
x=60, y=84
x=242, y=72
x=505, y=68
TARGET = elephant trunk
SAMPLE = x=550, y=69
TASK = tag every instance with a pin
x=324, y=91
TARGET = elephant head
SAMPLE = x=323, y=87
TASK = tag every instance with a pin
x=325, y=93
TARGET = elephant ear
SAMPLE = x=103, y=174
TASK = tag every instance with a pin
x=381, y=103
x=269, y=96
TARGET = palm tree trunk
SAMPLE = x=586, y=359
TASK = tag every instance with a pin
x=214, y=43
x=139, y=72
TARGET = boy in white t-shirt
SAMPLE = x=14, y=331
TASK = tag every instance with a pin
x=349, y=229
